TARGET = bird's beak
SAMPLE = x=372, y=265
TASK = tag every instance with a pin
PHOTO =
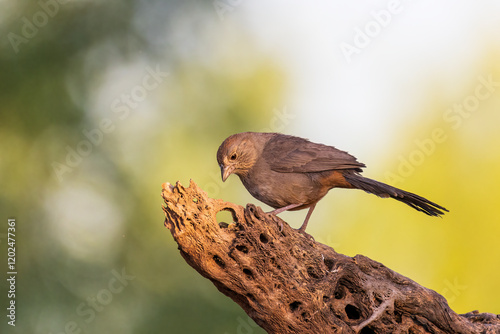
x=225, y=171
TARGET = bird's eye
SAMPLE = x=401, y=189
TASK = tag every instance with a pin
x=233, y=157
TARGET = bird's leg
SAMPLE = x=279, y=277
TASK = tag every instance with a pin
x=280, y=210
x=302, y=229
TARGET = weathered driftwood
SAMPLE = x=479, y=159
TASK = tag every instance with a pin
x=289, y=283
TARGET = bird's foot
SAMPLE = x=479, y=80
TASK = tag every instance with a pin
x=277, y=219
x=305, y=234
x=280, y=225
x=302, y=229
x=280, y=210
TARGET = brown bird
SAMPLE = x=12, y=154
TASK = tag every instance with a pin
x=292, y=173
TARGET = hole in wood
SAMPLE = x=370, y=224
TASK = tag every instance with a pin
x=294, y=306
x=378, y=300
x=219, y=261
x=242, y=248
x=263, y=238
x=329, y=263
x=367, y=330
x=339, y=292
x=352, y=312
x=398, y=317
x=248, y=272
x=224, y=217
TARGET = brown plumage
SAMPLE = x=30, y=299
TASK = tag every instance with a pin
x=292, y=173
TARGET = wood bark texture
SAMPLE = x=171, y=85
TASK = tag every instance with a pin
x=288, y=283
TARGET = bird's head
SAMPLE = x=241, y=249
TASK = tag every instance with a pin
x=237, y=154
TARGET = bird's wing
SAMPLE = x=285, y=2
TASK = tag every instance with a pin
x=289, y=154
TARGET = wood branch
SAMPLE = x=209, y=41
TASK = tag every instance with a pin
x=288, y=283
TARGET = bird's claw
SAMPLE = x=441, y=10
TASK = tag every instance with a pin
x=280, y=224
x=305, y=234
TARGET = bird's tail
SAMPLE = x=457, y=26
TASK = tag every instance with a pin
x=384, y=190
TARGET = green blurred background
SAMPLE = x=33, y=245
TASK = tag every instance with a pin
x=103, y=101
